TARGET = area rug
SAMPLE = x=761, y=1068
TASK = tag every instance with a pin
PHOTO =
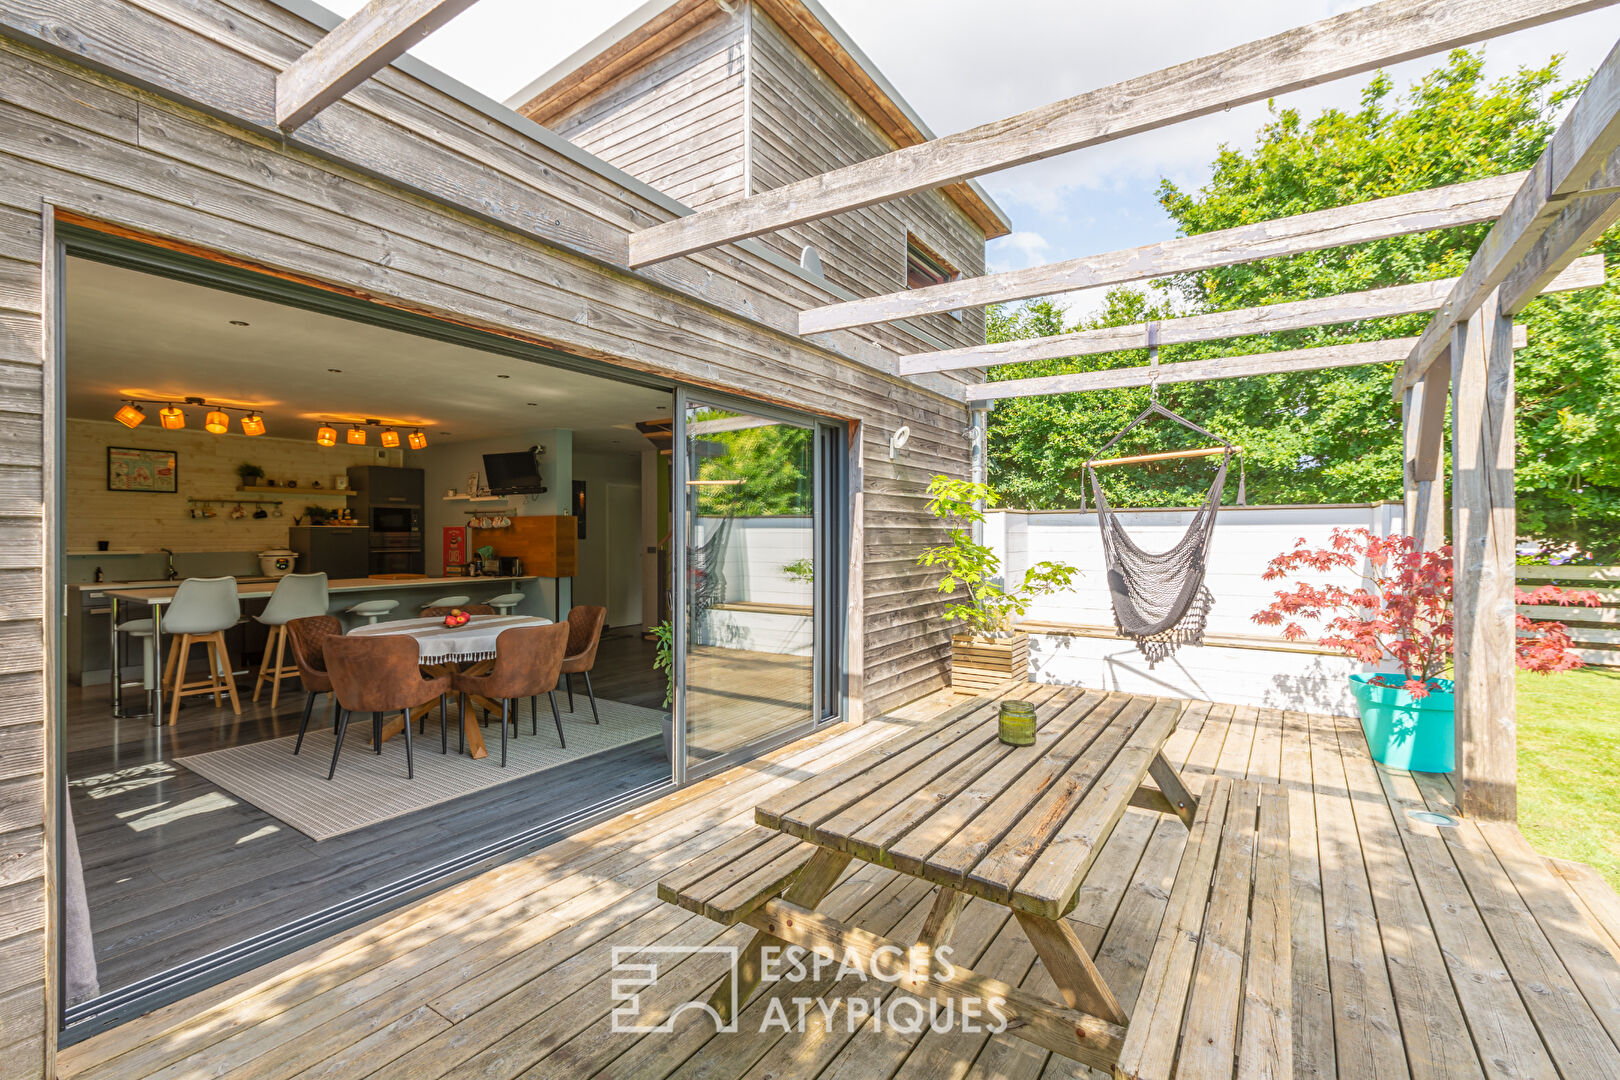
x=372, y=788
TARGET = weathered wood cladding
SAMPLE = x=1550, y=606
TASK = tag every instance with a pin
x=83, y=140
x=803, y=124
x=676, y=122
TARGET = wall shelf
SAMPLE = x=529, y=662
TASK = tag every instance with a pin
x=475, y=498
x=235, y=502
x=345, y=493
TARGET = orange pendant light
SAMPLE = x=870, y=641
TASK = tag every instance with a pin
x=417, y=439
x=172, y=416
x=216, y=422
x=389, y=438
x=357, y=436
x=325, y=435
x=130, y=415
x=253, y=424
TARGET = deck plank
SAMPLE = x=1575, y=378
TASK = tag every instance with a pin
x=1499, y=956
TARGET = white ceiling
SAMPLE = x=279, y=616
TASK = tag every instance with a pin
x=134, y=334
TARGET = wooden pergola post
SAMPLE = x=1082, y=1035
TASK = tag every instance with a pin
x=1483, y=536
x=1423, y=421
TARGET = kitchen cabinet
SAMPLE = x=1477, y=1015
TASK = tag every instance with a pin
x=382, y=485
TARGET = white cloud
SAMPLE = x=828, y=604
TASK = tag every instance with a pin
x=1017, y=250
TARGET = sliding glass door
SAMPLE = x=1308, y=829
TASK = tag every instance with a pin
x=754, y=524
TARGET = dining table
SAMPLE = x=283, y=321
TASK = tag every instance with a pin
x=441, y=650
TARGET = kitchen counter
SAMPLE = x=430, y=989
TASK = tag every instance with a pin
x=248, y=590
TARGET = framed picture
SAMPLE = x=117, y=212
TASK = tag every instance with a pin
x=579, y=506
x=130, y=468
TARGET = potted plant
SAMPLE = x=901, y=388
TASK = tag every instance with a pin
x=250, y=474
x=989, y=651
x=664, y=660
x=1400, y=614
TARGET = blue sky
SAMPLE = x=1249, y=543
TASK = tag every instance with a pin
x=958, y=67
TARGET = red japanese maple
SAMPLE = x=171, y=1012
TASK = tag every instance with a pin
x=1401, y=609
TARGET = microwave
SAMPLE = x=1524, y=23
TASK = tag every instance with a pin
x=396, y=519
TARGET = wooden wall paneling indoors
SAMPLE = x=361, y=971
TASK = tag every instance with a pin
x=548, y=544
x=113, y=151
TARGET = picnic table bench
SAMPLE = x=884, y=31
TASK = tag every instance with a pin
x=1019, y=827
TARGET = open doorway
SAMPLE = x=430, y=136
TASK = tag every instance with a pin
x=251, y=430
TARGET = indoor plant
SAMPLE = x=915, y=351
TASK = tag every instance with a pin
x=990, y=650
x=250, y=474
x=1400, y=612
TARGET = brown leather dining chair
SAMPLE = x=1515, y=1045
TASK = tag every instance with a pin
x=585, y=624
x=528, y=661
x=381, y=675
x=308, y=637
x=470, y=609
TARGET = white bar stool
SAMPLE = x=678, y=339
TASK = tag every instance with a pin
x=448, y=602
x=373, y=610
x=504, y=603
x=297, y=596
x=142, y=629
x=202, y=610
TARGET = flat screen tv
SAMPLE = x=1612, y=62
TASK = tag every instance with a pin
x=517, y=473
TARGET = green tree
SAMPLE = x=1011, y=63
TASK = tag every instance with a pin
x=1335, y=435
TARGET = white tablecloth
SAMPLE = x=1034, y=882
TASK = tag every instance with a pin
x=440, y=644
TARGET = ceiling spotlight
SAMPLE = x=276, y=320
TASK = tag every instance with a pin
x=253, y=424
x=326, y=435
x=335, y=370
x=216, y=422
x=389, y=438
x=417, y=439
x=238, y=322
x=130, y=415
x=172, y=417
x=357, y=436
x=503, y=376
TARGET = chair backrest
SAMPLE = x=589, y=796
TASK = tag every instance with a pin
x=203, y=605
x=297, y=596
x=470, y=609
x=308, y=637
x=528, y=661
x=375, y=673
x=585, y=624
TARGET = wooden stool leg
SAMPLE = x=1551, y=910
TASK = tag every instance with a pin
x=168, y=662
x=275, y=680
x=264, y=661
x=812, y=885
x=223, y=654
x=181, y=654
x=213, y=667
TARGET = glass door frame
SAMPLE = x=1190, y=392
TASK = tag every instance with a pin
x=831, y=517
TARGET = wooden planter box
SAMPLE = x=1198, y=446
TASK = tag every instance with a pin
x=980, y=664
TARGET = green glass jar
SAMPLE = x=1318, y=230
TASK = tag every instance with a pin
x=1017, y=723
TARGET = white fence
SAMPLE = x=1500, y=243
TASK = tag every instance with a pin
x=1595, y=631
x=764, y=604
x=1072, y=637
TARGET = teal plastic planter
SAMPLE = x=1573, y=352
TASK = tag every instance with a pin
x=1406, y=734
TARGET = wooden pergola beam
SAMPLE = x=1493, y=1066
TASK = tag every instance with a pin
x=1371, y=37
x=1318, y=358
x=354, y=50
x=1377, y=219
x=1582, y=273
x=1576, y=157
x=1576, y=229
x=1423, y=424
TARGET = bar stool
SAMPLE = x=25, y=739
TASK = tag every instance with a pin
x=202, y=610
x=297, y=596
x=446, y=602
x=373, y=609
x=142, y=629
x=505, y=602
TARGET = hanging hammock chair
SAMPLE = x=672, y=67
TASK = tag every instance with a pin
x=1159, y=598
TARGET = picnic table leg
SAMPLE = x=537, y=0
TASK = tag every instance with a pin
x=812, y=885
x=1071, y=969
x=1181, y=800
x=936, y=930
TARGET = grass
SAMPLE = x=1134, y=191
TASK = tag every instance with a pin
x=1569, y=766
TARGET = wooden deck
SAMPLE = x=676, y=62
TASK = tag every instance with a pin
x=1418, y=950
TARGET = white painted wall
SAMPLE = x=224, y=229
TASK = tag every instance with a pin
x=757, y=552
x=1245, y=540
x=608, y=555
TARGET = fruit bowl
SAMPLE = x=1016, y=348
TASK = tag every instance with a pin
x=457, y=618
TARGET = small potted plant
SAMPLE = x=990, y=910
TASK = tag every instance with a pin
x=1399, y=614
x=664, y=660
x=250, y=474
x=989, y=651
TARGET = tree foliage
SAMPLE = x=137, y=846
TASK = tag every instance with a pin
x=1334, y=436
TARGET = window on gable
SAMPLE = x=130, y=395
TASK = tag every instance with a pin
x=924, y=267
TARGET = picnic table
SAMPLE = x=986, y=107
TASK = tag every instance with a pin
x=1016, y=826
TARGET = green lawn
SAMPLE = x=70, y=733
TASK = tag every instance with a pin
x=1569, y=766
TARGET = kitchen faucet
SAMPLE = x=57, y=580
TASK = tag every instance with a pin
x=173, y=573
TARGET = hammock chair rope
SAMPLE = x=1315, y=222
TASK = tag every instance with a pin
x=1159, y=598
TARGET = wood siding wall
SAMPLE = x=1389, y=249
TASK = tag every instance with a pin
x=85, y=141
x=803, y=124
x=677, y=122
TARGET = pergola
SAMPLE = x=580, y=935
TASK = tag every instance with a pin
x=1543, y=219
